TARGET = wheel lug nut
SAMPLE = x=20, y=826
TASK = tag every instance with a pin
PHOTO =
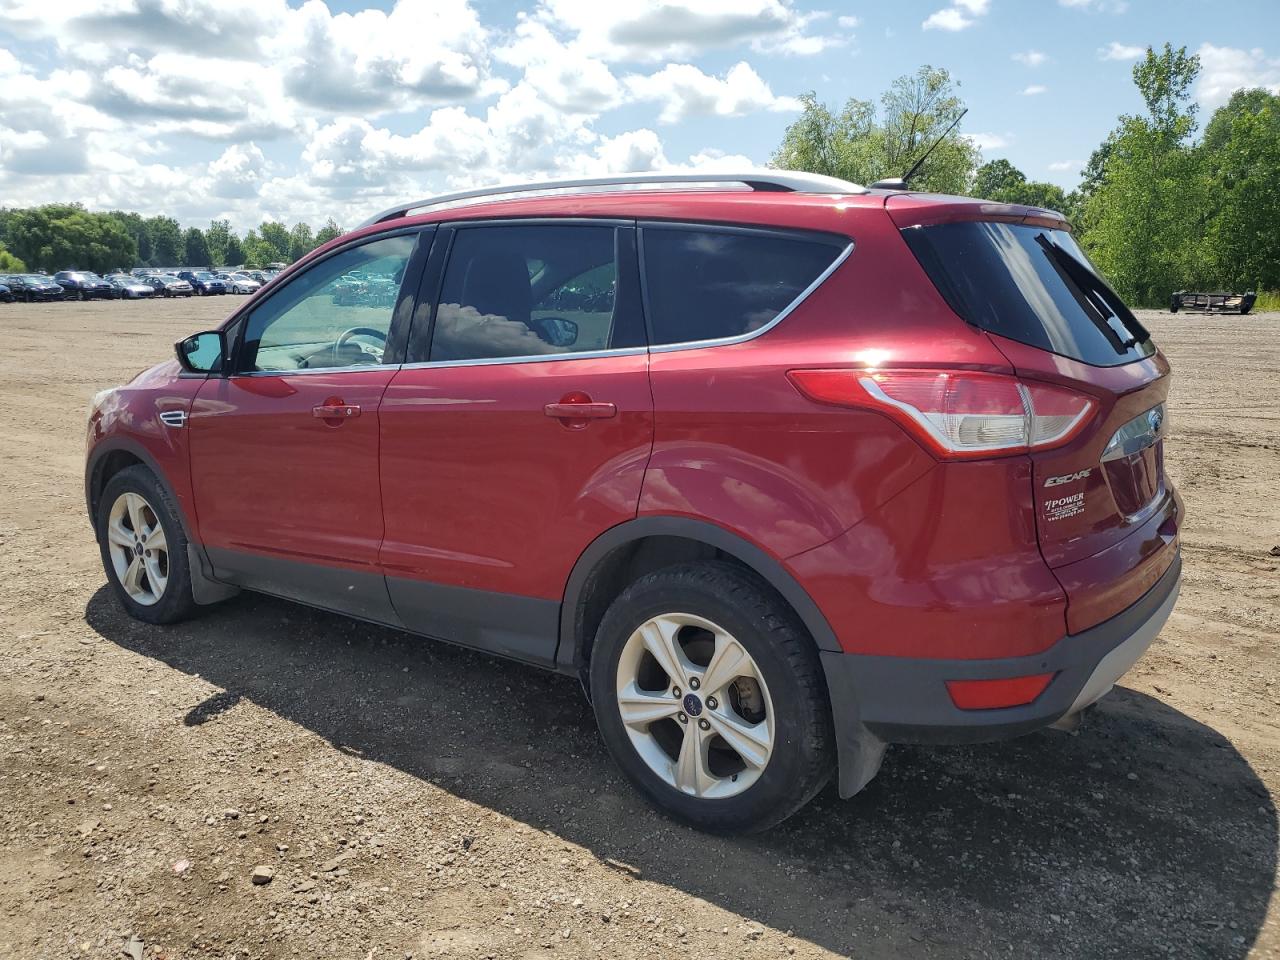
x=695, y=682
x=712, y=703
x=704, y=725
x=675, y=691
x=682, y=718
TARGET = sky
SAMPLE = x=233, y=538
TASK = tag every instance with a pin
x=289, y=110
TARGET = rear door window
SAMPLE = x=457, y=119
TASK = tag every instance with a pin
x=1030, y=284
x=709, y=283
x=537, y=290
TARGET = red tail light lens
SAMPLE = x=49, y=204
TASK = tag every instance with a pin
x=997, y=694
x=958, y=413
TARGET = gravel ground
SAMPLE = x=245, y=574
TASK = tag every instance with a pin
x=272, y=781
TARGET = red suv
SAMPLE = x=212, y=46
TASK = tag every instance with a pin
x=782, y=468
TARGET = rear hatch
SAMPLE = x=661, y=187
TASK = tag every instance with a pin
x=1106, y=514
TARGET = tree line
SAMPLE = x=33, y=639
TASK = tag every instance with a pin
x=63, y=236
x=1158, y=208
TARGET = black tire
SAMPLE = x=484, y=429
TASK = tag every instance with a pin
x=803, y=757
x=176, y=602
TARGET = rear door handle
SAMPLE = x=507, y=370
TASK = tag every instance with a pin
x=580, y=410
x=335, y=411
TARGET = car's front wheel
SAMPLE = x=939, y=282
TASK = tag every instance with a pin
x=709, y=695
x=144, y=548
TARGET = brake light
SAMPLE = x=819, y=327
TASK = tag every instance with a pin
x=958, y=413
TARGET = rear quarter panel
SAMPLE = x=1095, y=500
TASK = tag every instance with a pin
x=735, y=443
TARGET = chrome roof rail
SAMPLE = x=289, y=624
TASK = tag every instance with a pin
x=777, y=181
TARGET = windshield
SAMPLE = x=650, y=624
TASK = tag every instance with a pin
x=1030, y=284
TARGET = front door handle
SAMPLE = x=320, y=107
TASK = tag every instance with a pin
x=577, y=406
x=335, y=411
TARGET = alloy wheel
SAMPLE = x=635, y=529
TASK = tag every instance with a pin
x=695, y=706
x=138, y=549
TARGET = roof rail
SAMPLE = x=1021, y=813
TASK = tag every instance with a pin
x=777, y=181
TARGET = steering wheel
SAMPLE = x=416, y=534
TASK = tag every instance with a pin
x=345, y=337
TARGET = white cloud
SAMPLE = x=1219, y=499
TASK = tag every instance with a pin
x=848, y=23
x=422, y=51
x=1061, y=166
x=238, y=172
x=295, y=109
x=990, y=141
x=685, y=91
x=1223, y=70
x=1030, y=58
x=646, y=30
x=1034, y=90
x=1120, y=51
x=961, y=15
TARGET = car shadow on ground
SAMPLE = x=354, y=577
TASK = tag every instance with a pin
x=1145, y=833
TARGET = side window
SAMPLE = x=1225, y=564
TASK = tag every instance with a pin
x=710, y=284
x=335, y=314
x=522, y=291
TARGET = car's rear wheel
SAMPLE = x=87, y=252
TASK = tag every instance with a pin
x=709, y=695
x=144, y=549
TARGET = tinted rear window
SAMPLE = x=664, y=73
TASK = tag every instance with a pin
x=1030, y=284
x=710, y=284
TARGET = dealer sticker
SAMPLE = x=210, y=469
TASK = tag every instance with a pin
x=1062, y=507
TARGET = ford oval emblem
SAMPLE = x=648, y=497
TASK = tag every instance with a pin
x=1155, y=418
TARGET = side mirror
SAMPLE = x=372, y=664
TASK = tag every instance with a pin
x=202, y=352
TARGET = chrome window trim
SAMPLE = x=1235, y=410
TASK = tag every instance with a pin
x=534, y=358
x=307, y=371
x=762, y=330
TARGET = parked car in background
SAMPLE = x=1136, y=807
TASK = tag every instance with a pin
x=130, y=288
x=33, y=287
x=167, y=285
x=84, y=284
x=242, y=283
x=6, y=295
x=203, y=282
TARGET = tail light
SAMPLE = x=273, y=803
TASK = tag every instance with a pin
x=958, y=413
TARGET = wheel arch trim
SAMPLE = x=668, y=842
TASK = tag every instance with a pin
x=204, y=587
x=568, y=650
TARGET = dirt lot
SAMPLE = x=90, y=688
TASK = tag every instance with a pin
x=416, y=799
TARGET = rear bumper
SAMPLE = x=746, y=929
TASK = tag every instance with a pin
x=905, y=699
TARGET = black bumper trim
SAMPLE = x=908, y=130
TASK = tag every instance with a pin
x=904, y=699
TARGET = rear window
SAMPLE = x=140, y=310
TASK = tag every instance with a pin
x=1030, y=284
x=709, y=284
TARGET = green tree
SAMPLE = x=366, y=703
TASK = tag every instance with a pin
x=276, y=236
x=1001, y=180
x=996, y=177
x=61, y=236
x=167, y=248
x=865, y=144
x=301, y=241
x=1145, y=218
x=1243, y=237
x=195, y=248
x=218, y=238
x=137, y=228
x=330, y=231
x=9, y=263
x=233, y=253
x=257, y=252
